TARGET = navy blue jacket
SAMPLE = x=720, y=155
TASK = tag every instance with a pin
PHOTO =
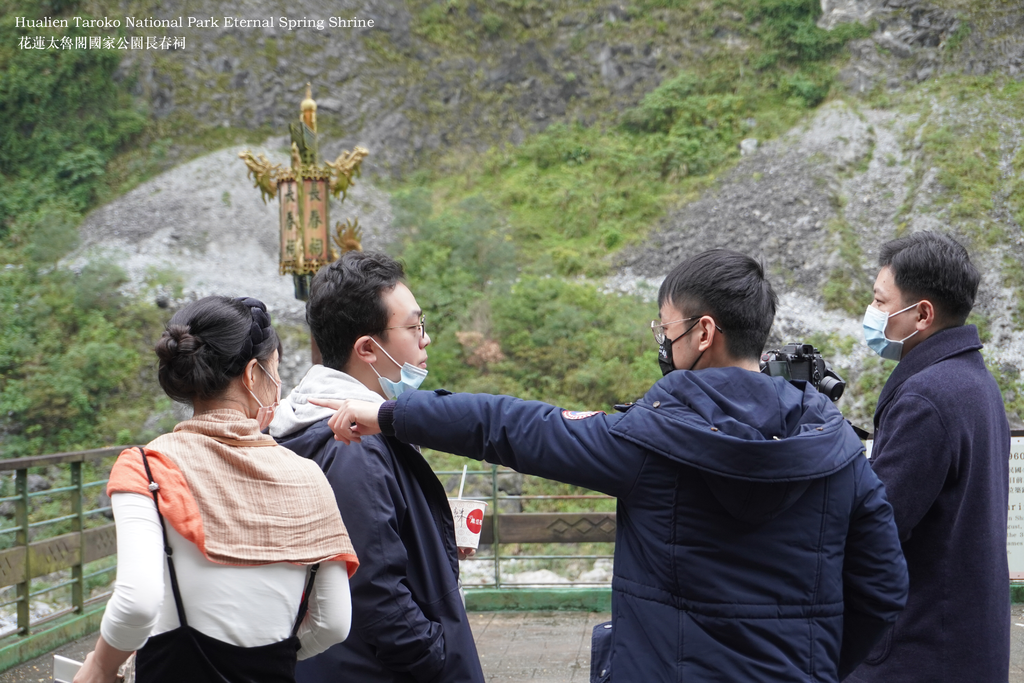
x=753, y=541
x=408, y=620
x=942, y=448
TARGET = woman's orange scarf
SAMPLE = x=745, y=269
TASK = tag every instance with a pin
x=238, y=495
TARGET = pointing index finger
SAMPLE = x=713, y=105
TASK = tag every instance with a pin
x=331, y=403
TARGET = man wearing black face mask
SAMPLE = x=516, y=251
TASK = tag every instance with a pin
x=754, y=543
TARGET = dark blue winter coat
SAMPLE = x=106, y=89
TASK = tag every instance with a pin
x=753, y=541
x=942, y=448
x=408, y=620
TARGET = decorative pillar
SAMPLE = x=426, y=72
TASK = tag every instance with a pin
x=304, y=191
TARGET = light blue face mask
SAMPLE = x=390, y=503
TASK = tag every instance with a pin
x=875, y=322
x=412, y=377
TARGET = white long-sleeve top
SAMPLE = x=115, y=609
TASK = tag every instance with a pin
x=245, y=606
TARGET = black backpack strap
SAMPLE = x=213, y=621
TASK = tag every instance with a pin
x=168, y=551
x=304, y=605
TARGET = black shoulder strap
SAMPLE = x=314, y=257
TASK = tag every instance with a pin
x=168, y=551
x=304, y=605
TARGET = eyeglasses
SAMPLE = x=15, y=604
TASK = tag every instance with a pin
x=658, y=329
x=421, y=326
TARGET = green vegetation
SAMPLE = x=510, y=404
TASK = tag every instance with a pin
x=789, y=34
x=481, y=236
x=956, y=40
x=968, y=129
x=1013, y=276
x=64, y=117
x=867, y=386
x=964, y=143
x=984, y=325
x=75, y=370
x=847, y=289
x=831, y=344
x=574, y=193
x=74, y=354
x=1011, y=383
x=530, y=336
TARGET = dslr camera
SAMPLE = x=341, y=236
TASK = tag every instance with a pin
x=803, y=361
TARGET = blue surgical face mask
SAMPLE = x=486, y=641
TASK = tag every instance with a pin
x=412, y=377
x=875, y=322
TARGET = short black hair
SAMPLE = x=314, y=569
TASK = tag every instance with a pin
x=346, y=302
x=209, y=342
x=927, y=265
x=730, y=287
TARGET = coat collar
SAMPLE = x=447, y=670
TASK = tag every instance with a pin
x=944, y=344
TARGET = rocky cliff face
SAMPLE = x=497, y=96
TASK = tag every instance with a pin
x=413, y=86
x=815, y=203
x=916, y=40
x=389, y=88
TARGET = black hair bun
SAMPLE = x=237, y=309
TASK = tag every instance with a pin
x=177, y=340
x=208, y=343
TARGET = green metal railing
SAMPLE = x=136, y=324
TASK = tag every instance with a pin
x=64, y=544
x=56, y=532
x=36, y=546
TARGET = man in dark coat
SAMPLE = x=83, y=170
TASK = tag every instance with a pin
x=753, y=541
x=942, y=449
x=409, y=623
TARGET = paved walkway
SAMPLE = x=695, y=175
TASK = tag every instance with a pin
x=541, y=647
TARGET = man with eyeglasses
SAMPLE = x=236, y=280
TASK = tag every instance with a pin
x=408, y=619
x=753, y=541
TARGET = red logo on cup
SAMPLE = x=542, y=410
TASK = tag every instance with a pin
x=475, y=521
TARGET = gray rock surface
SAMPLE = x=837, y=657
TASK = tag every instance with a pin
x=387, y=88
x=835, y=12
x=204, y=225
x=916, y=40
x=846, y=170
x=776, y=202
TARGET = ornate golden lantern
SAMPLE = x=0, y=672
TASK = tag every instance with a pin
x=304, y=190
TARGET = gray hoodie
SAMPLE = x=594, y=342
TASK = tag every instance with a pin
x=295, y=412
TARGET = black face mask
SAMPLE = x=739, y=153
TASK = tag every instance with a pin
x=665, y=352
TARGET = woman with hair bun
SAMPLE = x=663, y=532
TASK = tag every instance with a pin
x=232, y=558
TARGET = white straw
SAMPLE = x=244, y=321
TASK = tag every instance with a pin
x=463, y=483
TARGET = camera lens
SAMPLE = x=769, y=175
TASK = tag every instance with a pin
x=832, y=387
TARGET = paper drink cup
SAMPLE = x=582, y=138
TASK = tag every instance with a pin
x=469, y=521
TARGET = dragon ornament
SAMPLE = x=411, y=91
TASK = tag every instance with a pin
x=263, y=173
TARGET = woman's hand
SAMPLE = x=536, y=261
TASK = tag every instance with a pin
x=101, y=664
x=91, y=672
x=353, y=419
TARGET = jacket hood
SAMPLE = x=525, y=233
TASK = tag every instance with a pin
x=310, y=440
x=758, y=440
x=295, y=412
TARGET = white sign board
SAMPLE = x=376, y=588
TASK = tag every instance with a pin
x=1015, y=510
